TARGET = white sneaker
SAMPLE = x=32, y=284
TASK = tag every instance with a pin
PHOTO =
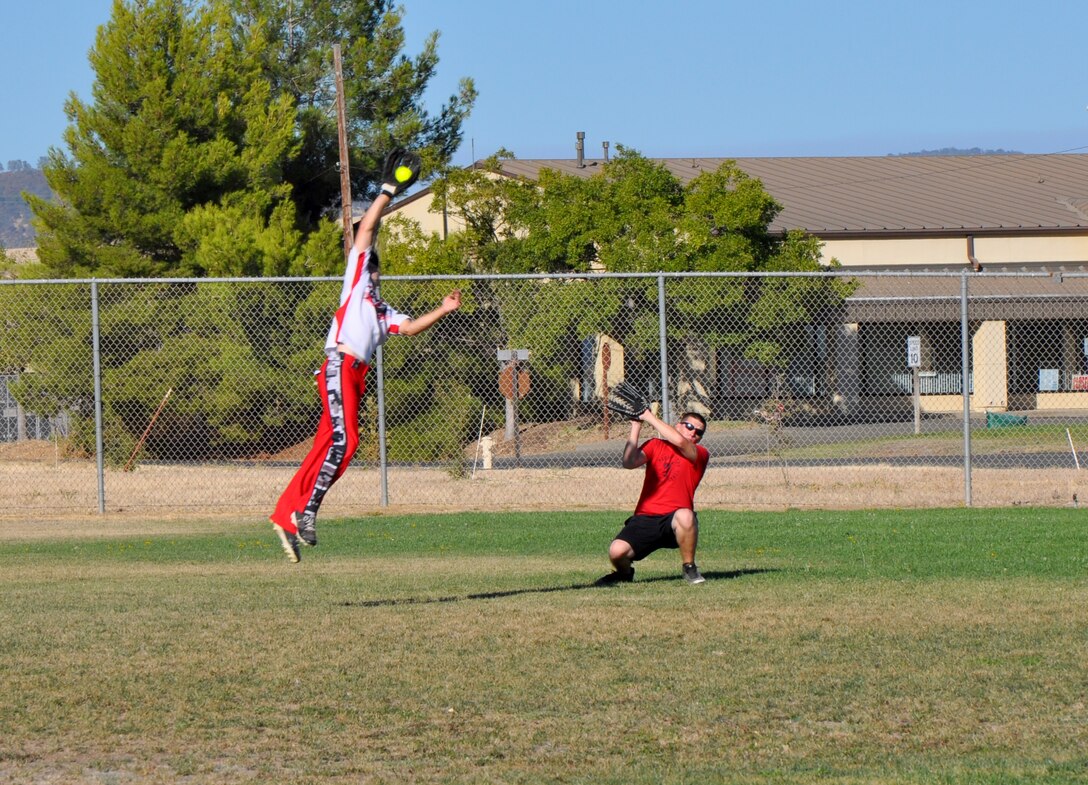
x=692, y=574
x=290, y=543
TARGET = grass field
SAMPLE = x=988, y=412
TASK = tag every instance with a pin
x=938, y=646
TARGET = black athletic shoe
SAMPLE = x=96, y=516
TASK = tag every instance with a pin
x=307, y=527
x=616, y=577
x=289, y=542
x=692, y=574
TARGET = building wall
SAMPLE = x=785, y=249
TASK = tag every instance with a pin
x=885, y=252
x=1072, y=401
x=1009, y=250
x=989, y=349
x=953, y=250
x=418, y=209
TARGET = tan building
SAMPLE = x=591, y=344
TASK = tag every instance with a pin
x=895, y=211
x=1008, y=213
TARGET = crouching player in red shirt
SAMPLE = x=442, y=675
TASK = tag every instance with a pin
x=665, y=514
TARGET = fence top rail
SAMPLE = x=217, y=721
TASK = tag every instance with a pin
x=955, y=298
x=829, y=273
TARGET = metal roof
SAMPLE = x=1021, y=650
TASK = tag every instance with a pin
x=895, y=195
x=920, y=297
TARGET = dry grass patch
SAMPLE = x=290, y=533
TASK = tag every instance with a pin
x=40, y=480
x=226, y=493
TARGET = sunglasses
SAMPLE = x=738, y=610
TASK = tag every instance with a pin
x=697, y=431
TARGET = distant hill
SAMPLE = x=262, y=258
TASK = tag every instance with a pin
x=958, y=151
x=15, y=228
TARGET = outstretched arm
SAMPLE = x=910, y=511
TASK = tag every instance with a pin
x=372, y=218
x=450, y=303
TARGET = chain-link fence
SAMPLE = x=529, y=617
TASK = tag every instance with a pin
x=831, y=390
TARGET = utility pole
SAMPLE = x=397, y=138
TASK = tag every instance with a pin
x=342, y=126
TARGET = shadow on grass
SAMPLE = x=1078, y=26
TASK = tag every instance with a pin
x=494, y=595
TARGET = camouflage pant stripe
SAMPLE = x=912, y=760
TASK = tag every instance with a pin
x=334, y=459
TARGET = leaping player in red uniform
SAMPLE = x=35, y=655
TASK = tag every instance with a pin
x=361, y=324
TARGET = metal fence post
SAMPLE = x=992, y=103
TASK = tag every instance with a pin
x=97, y=360
x=666, y=406
x=383, y=466
x=965, y=387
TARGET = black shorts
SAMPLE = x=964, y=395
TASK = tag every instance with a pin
x=647, y=533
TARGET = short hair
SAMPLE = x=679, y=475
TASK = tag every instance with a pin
x=696, y=415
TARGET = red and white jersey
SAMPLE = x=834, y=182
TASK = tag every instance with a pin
x=358, y=325
x=671, y=479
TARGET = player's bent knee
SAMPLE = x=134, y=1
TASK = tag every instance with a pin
x=683, y=520
x=620, y=549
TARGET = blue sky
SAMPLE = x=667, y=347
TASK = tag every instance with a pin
x=698, y=78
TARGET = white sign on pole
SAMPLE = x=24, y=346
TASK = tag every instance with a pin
x=914, y=351
x=1086, y=347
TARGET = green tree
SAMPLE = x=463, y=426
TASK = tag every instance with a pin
x=210, y=147
x=182, y=125
x=383, y=91
x=492, y=208
x=635, y=216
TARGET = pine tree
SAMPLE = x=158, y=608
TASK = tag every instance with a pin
x=383, y=91
x=210, y=146
x=210, y=149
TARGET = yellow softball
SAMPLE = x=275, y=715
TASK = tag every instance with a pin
x=403, y=174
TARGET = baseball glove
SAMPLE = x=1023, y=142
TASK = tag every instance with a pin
x=401, y=169
x=624, y=399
